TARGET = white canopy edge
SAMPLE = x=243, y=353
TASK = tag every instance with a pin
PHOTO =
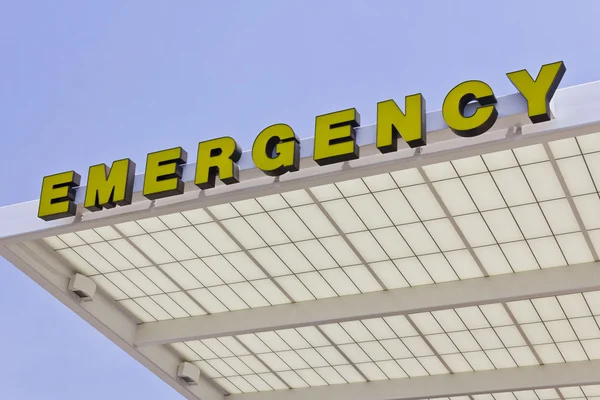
x=20, y=221
x=575, y=109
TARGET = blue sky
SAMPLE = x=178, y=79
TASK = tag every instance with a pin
x=83, y=83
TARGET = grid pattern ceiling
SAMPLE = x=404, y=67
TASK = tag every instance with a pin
x=523, y=333
x=590, y=392
x=500, y=213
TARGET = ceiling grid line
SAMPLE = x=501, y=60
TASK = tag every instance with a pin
x=249, y=255
x=572, y=205
x=345, y=238
x=166, y=274
x=522, y=333
x=342, y=353
x=428, y=343
x=261, y=361
x=448, y=215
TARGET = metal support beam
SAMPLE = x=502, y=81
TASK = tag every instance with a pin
x=462, y=384
x=104, y=314
x=494, y=289
x=522, y=333
x=428, y=343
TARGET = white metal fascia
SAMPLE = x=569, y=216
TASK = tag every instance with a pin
x=461, y=384
x=104, y=314
x=487, y=290
x=575, y=111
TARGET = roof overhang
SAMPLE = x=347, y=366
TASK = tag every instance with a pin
x=576, y=115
